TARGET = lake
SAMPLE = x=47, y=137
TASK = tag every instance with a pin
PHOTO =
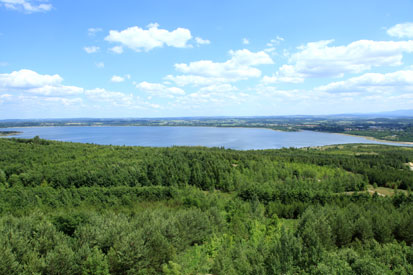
x=163, y=136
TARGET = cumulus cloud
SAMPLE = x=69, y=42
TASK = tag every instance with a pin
x=91, y=49
x=100, y=65
x=5, y=97
x=388, y=83
x=404, y=30
x=217, y=95
x=275, y=42
x=195, y=80
x=119, y=99
x=277, y=94
x=59, y=90
x=49, y=101
x=272, y=45
x=319, y=59
x=240, y=66
x=27, y=6
x=93, y=31
x=30, y=88
x=117, y=49
x=117, y=79
x=201, y=41
x=286, y=74
x=139, y=39
x=100, y=94
x=222, y=87
x=29, y=81
x=157, y=89
x=62, y=100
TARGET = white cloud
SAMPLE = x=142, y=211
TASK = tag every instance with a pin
x=195, y=80
x=117, y=79
x=49, y=101
x=117, y=49
x=318, y=59
x=100, y=65
x=225, y=87
x=30, y=88
x=245, y=41
x=157, y=89
x=5, y=97
x=62, y=100
x=91, y=49
x=28, y=79
x=58, y=90
x=404, y=30
x=28, y=6
x=389, y=83
x=286, y=74
x=240, y=66
x=100, y=94
x=139, y=39
x=214, y=96
x=370, y=91
x=118, y=99
x=275, y=42
x=278, y=94
x=272, y=45
x=93, y=31
x=201, y=41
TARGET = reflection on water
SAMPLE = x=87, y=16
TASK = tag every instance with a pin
x=157, y=136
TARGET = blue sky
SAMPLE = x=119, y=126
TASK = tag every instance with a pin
x=94, y=58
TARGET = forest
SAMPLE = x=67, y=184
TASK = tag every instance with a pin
x=71, y=208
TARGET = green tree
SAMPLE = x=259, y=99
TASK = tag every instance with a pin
x=96, y=263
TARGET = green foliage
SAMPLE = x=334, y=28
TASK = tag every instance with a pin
x=95, y=263
x=70, y=208
x=2, y=177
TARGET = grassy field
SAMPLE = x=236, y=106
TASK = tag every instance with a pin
x=381, y=191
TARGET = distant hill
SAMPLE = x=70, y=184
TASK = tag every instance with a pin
x=398, y=113
x=390, y=114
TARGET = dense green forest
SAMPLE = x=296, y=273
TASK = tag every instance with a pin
x=69, y=208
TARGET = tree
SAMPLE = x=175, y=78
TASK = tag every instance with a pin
x=95, y=263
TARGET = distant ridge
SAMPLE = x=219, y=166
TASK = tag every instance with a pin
x=399, y=113
x=408, y=113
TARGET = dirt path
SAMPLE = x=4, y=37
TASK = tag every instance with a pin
x=372, y=192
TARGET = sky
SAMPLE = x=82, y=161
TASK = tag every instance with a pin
x=126, y=58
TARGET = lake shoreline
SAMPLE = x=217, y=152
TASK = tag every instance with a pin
x=9, y=133
x=214, y=140
x=376, y=139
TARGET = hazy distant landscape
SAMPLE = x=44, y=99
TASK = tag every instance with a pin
x=391, y=127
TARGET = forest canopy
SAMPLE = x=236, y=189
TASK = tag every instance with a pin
x=69, y=208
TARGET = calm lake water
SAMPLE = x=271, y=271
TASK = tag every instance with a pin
x=234, y=138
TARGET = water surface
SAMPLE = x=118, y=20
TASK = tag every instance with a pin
x=163, y=136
